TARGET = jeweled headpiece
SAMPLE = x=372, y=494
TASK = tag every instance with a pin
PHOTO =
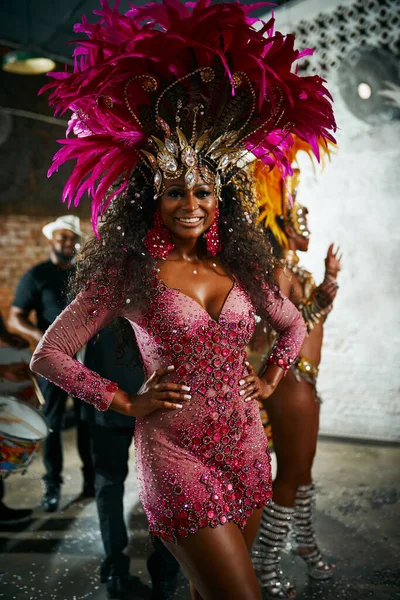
x=276, y=194
x=171, y=88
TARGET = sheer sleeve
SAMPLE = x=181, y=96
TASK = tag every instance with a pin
x=286, y=320
x=53, y=357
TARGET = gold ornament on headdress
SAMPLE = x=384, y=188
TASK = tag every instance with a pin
x=176, y=155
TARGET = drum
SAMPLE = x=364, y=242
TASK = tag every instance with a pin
x=22, y=428
x=22, y=389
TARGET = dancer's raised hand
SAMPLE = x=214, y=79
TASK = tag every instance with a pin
x=333, y=261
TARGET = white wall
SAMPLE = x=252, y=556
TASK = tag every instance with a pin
x=355, y=203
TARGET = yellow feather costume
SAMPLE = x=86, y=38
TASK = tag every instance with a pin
x=274, y=194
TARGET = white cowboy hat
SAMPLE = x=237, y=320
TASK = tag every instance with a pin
x=70, y=222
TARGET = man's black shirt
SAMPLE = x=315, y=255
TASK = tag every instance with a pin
x=44, y=290
x=103, y=356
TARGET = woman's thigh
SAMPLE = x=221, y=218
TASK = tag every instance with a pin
x=218, y=564
x=294, y=416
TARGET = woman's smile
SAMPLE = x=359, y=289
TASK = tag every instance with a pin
x=189, y=221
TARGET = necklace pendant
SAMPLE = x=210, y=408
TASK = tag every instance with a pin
x=194, y=272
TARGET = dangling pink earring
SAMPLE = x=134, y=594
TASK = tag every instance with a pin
x=158, y=238
x=213, y=241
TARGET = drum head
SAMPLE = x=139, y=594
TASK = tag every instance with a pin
x=10, y=355
x=19, y=421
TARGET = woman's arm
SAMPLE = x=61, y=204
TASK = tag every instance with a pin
x=285, y=319
x=317, y=307
x=53, y=357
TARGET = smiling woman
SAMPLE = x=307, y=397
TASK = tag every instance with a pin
x=202, y=455
x=178, y=256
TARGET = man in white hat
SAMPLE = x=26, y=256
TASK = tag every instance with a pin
x=43, y=291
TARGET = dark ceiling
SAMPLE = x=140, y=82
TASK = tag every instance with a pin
x=48, y=24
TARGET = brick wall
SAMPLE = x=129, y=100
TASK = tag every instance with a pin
x=28, y=199
x=22, y=245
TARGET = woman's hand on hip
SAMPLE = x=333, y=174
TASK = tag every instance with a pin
x=253, y=387
x=155, y=394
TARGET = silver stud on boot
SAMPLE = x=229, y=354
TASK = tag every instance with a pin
x=266, y=554
x=304, y=534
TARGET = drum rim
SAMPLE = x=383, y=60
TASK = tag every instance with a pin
x=6, y=472
x=15, y=438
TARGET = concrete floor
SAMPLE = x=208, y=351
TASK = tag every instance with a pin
x=57, y=557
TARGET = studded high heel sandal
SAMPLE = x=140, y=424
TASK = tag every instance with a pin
x=304, y=534
x=266, y=554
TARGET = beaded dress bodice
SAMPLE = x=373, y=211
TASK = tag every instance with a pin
x=207, y=463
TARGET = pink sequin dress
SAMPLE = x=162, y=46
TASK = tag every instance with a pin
x=204, y=465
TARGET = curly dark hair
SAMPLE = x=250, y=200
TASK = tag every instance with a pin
x=271, y=239
x=246, y=253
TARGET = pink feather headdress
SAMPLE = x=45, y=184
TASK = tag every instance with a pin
x=170, y=87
